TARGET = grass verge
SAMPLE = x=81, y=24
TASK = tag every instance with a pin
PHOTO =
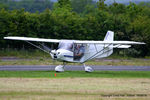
x=75, y=74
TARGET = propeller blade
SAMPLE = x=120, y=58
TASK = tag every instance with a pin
x=46, y=48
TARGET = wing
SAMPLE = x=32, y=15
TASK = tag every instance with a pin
x=76, y=41
x=32, y=39
x=109, y=42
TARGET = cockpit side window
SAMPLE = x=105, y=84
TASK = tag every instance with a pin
x=67, y=45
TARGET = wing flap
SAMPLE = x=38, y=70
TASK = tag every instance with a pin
x=32, y=39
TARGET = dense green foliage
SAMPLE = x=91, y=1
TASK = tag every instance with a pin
x=66, y=21
x=28, y=5
x=98, y=74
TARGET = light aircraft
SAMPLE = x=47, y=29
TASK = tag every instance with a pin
x=78, y=51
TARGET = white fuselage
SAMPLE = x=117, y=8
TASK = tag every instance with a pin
x=62, y=55
x=66, y=52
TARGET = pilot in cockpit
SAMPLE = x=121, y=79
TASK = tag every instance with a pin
x=79, y=52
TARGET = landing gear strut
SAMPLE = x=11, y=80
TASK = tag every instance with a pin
x=88, y=68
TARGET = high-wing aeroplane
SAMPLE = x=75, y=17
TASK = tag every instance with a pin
x=78, y=51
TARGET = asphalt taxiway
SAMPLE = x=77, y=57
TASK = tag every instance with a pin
x=72, y=68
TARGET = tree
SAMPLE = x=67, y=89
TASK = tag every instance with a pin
x=80, y=5
x=101, y=5
x=3, y=6
x=117, y=8
x=64, y=3
x=47, y=24
x=4, y=22
x=130, y=22
x=133, y=10
x=3, y=1
x=29, y=5
x=140, y=31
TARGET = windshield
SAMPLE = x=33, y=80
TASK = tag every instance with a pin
x=66, y=44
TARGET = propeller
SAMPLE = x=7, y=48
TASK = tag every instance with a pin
x=50, y=50
x=46, y=48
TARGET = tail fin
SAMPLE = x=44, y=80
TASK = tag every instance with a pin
x=109, y=36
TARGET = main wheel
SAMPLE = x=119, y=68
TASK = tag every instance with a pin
x=88, y=69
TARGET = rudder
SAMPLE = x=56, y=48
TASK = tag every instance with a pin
x=109, y=36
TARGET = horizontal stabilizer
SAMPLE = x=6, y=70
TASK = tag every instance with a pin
x=121, y=46
x=109, y=42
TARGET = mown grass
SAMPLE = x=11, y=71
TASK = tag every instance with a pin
x=23, y=53
x=74, y=89
x=48, y=61
x=73, y=74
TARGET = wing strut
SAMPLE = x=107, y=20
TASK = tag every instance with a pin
x=96, y=53
x=99, y=52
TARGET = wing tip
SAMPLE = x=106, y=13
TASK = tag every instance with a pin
x=141, y=43
x=5, y=37
x=9, y=37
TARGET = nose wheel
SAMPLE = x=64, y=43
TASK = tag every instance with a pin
x=88, y=68
x=60, y=68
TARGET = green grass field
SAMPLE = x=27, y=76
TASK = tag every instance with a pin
x=74, y=88
x=76, y=74
x=74, y=85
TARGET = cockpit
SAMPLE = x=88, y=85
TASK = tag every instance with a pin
x=76, y=49
x=66, y=44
